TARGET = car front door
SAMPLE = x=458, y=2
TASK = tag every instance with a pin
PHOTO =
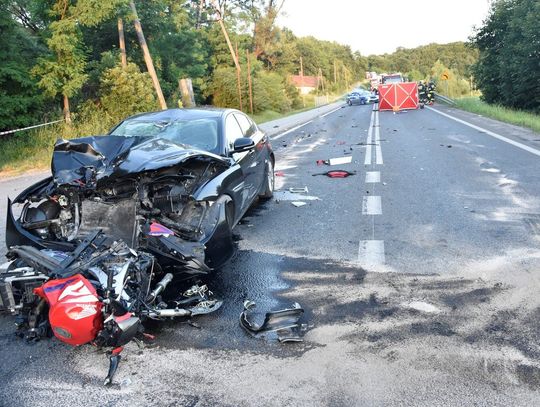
x=250, y=129
x=246, y=160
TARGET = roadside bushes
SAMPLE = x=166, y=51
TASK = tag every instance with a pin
x=269, y=90
x=126, y=91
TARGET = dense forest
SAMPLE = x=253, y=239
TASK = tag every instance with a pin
x=65, y=55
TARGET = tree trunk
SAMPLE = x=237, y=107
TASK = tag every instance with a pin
x=186, y=89
x=231, y=49
x=238, y=80
x=249, y=83
x=67, y=112
x=147, y=56
x=122, y=43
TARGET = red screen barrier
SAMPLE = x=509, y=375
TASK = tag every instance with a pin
x=398, y=96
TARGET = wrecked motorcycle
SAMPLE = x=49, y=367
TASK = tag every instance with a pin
x=100, y=293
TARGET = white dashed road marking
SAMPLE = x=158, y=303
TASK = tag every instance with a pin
x=373, y=177
x=371, y=205
x=371, y=252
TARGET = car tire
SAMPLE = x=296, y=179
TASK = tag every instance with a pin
x=269, y=181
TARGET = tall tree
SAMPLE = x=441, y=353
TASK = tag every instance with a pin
x=20, y=103
x=63, y=72
x=508, y=70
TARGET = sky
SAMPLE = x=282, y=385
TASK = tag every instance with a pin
x=377, y=27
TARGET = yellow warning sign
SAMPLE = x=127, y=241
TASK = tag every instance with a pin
x=445, y=76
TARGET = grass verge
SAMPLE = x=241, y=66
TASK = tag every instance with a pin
x=32, y=149
x=504, y=114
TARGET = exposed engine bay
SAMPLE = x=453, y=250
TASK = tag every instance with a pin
x=96, y=251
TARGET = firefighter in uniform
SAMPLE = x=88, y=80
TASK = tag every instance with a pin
x=430, y=92
x=422, y=94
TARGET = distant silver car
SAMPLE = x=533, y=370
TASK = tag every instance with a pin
x=356, y=98
x=361, y=96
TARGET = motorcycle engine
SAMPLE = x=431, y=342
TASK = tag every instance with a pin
x=74, y=309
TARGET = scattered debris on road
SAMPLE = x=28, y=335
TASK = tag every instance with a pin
x=340, y=160
x=336, y=173
x=290, y=196
x=284, y=323
x=298, y=204
x=303, y=190
x=422, y=307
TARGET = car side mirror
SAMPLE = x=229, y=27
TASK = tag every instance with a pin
x=243, y=144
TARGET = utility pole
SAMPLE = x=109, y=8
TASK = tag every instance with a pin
x=302, y=82
x=238, y=78
x=122, y=43
x=147, y=56
x=249, y=82
x=335, y=71
x=321, y=79
x=346, y=76
x=233, y=54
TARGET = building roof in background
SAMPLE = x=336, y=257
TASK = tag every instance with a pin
x=304, y=81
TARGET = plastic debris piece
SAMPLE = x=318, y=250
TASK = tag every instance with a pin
x=159, y=230
x=336, y=174
x=303, y=190
x=283, y=323
x=289, y=196
x=298, y=204
x=340, y=160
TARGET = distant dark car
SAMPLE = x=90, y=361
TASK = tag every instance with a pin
x=172, y=183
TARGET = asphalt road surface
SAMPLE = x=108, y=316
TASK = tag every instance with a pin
x=419, y=275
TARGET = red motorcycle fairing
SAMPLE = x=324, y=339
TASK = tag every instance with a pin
x=74, y=309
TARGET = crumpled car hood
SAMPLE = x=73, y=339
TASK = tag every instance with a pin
x=86, y=160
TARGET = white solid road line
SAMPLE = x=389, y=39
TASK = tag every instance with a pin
x=373, y=177
x=330, y=112
x=371, y=252
x=378, y=150
x=371, y=205
x=369, y=141
x=289, y=131
x=492, y=134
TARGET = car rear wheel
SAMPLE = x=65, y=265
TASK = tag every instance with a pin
x=269, y=179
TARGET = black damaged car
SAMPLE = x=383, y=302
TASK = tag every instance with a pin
x=171, y=183
x=127, y=225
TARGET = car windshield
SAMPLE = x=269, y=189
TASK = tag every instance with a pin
x=199, y=133
x=393, y=79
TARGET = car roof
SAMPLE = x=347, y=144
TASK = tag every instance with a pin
x=182, y=114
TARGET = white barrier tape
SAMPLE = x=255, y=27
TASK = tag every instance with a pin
x=28, y=128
